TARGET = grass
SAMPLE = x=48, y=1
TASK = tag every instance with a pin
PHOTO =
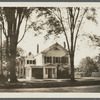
x=66, y=83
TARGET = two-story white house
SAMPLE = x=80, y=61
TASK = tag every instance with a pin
x=45, y=64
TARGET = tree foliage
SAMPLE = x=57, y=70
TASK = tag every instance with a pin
x=88, y=66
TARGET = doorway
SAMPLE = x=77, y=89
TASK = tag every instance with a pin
x=49, y=72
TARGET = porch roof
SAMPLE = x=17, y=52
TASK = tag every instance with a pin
x=41, y=66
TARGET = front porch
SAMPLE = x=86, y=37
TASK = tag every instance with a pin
x=41, y=72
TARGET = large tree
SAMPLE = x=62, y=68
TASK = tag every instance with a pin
x=19, y=51
x=12, y=19
x=66, y=21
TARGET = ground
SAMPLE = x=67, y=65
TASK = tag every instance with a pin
x=85, y=84
x=76, y=89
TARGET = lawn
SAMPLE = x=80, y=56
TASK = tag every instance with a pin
x=51, y=83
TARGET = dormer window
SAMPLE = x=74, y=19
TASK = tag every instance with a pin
x=56, y=48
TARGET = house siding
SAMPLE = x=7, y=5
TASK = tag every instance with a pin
x=39, y=60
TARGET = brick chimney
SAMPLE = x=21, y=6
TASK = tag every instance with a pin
x=64, y=45
x=37, y=48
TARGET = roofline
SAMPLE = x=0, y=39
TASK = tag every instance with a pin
x=53, y=45
x=50, y=47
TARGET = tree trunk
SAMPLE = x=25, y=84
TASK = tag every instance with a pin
x=13, y=47
x=72, y=66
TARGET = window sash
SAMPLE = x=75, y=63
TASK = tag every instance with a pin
x=46, y=71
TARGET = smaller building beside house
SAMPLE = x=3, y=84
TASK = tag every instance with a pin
x=50, y=63
x=20, y=67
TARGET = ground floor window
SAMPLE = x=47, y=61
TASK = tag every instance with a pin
x=46, y=71
x=53, y=70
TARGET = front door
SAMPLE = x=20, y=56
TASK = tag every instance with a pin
x=49, y=72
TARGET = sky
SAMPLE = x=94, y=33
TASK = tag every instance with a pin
x=29, y=43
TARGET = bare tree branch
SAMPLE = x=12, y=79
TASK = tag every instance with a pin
x=76, y=17
x=78, y=30
x=24, y=31
x=64, y=31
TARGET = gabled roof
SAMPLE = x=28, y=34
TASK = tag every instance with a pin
x=54, y=45
x=51, y=47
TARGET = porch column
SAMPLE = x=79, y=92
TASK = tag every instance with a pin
x=30, y=75
x=19, y=71
x=55, y=72
x=43, y=72
x=22, y=71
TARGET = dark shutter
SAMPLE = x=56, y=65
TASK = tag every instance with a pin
x=54, y=60
x=45, y=59
x=66, y=59
x=27, y=61
x=50, y=59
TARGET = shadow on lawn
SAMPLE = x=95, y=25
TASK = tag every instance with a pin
x=66, y=83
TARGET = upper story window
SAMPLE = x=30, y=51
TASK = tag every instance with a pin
x=34, y=61
x=52, y=60
x=47, y=59
x=55, y=60
x=31, y=61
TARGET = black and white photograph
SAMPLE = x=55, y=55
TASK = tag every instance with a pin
x=51, y=48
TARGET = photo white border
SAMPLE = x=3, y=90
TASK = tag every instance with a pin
x=49, y=4
x=49, y=95
x=53, y=94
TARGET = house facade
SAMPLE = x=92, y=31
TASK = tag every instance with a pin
x=46, y=64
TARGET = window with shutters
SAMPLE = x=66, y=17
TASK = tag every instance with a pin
x=30, y=61
x=57, y=59
x=48, y=59
x=34, y=61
